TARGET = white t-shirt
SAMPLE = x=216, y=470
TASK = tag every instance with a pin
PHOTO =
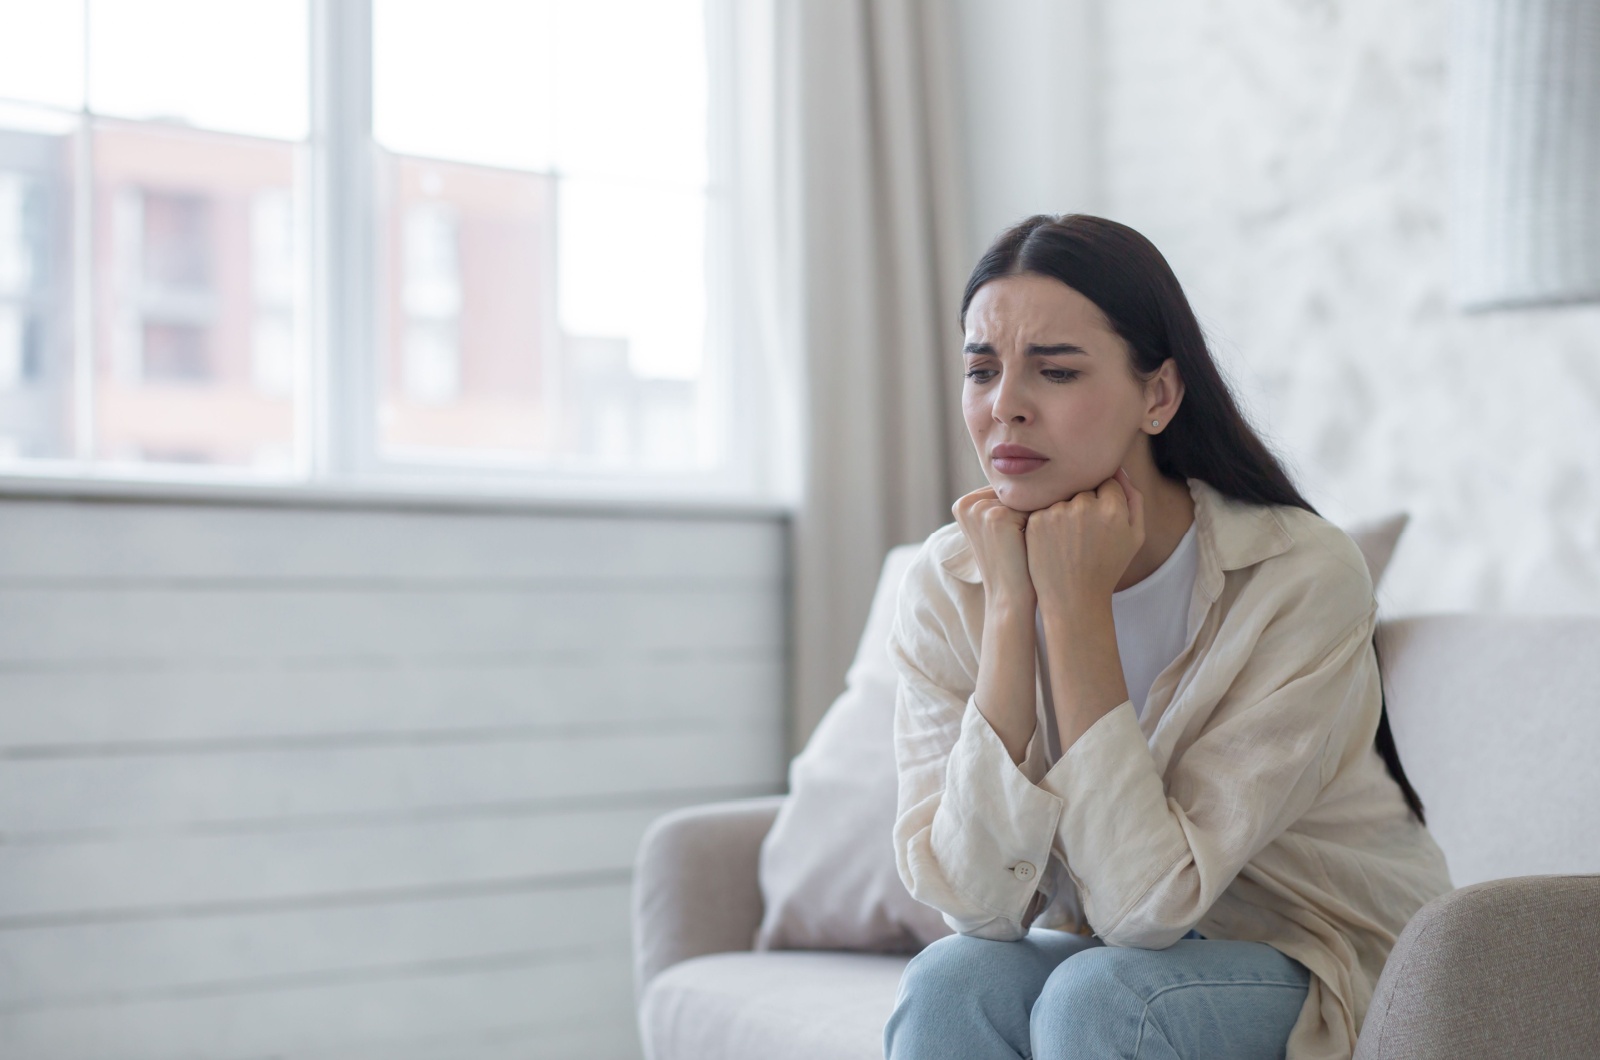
x=1152, y=620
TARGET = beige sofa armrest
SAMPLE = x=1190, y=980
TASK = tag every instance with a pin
x=695, y=888
x=1495, y=971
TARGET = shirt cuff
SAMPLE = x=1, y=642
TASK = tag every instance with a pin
x=998, y=826
x=1113, y=802
x=1036, y=761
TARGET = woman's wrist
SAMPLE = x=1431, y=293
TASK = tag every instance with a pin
x=1005, y=686
x=1067, y=610
x=1084, y=662
x=1009, y=605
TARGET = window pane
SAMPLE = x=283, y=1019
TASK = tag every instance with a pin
x=465, y=80
x=466, y=311
x=632, y=81
x=232, y=65
x=196, y=287
x=41, y=52
x=633, y=297
x=600, y=106
x=37, y=151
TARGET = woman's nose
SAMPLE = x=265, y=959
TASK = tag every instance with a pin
x=1010, y=402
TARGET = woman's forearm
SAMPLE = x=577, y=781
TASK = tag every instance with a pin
x=1005, y=692
x=1086, y=681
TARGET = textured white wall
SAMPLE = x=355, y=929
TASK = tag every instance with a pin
x=1290, y=160
x=1031, y=137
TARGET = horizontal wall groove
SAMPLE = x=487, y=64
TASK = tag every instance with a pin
x=363, y=662
x=374, y=819
x=408, y=500
x=444, y=966
x=264, y=583
x=461, y=1043
x=436, y=892
x=379, y=740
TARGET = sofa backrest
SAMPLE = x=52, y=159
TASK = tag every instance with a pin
x=1497, y=719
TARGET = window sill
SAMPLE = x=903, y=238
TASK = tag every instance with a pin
x=562, y=499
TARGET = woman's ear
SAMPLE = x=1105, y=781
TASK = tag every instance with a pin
x=1163, y=393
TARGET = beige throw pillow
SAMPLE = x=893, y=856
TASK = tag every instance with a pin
x=827, y=870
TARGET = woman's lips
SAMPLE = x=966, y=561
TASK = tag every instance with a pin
x=1016, y=459
x=1016, y=465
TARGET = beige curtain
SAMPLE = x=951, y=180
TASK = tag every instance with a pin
x=877, y=254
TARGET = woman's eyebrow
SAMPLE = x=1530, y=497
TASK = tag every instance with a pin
x=1034, y=350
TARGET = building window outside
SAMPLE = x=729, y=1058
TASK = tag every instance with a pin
x=272, y=270
x=538, y=256
x=24, y=250
x=430, y=299
x=35, y=306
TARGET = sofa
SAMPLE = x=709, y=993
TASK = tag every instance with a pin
x=1497, y=719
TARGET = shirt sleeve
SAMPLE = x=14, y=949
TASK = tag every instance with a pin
x=973, y=833
x=1150, y=856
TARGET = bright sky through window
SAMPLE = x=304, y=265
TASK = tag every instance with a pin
x=607, y=95
x=44, y=64
x=238, y=66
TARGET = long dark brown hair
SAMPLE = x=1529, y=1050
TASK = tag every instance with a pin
x=1123, y=274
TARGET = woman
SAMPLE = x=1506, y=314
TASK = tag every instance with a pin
x=1144, y=767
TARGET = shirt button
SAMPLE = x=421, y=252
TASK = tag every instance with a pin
x=1023, y=871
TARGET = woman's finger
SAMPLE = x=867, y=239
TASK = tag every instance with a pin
x=968, y=500
x=1111, y=491
x=1135, y=499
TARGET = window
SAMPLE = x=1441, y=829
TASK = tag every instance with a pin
x=35, y=311
x=372, y=240
x=24, y=255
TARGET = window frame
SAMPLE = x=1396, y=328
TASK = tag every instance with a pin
x=338, y=356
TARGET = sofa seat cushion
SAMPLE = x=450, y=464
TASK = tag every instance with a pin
x=777, y=1005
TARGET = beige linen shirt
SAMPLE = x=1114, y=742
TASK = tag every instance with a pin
x=1247, y=801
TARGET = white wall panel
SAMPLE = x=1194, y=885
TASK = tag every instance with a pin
x=300, y=859
x=322, y=782
x=304, y=623
x=351, y=1008
x=58, y=798
x=190, y=704
x=83, y=964
x=103, y=540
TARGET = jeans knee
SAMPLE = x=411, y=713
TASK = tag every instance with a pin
x=966, y=996
x=1087, y=998
x=955, y=967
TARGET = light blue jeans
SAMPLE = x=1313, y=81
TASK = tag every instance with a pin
x=1059, y=996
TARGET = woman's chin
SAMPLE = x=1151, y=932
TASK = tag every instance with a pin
x=1021, y=498
x=1024, y=496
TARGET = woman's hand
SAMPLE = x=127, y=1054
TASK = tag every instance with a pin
x=995, y=533
x=1005, y=690
x=1079, y=548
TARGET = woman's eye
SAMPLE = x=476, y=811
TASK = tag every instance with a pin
x=1055, y=375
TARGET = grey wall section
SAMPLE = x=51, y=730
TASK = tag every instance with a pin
x=312, y=782
x=1031, y=74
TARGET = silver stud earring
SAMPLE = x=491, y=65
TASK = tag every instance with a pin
x=1155, y=423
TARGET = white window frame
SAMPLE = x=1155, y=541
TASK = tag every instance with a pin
x=339, y=356
x=344, y=297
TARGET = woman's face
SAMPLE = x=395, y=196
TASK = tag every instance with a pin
x=1046, y=375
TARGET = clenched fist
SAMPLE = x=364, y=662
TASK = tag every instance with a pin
x=1079, y=548
x=995, y=533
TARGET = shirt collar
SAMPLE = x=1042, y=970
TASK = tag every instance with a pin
x=1232, y=534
